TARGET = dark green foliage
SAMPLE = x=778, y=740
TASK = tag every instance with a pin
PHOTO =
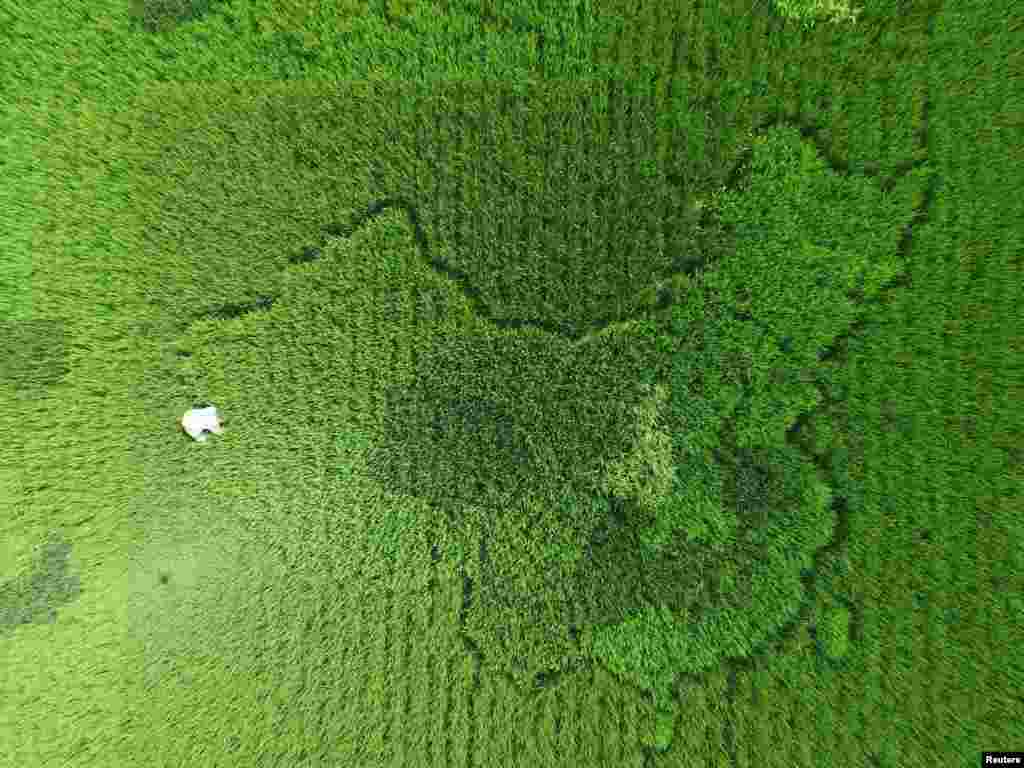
x=492, y=454
x=752, y=484
x=744, y=595
x=164, y=15
x=576, y=232
x=482, y=437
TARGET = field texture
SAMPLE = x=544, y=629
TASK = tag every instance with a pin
x=603, y=384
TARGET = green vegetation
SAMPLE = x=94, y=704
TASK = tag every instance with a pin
x=836, y=637
x=604, y=384
x=809, y=12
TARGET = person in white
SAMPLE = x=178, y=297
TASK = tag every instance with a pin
x=198, y=421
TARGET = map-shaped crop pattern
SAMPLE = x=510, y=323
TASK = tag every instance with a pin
x=628, y=495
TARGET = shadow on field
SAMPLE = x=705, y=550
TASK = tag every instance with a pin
x=33, y=597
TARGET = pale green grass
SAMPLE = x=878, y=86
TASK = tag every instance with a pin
x=810, y=12
x=200, y=567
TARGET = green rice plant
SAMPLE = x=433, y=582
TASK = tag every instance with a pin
x=661, y=730
x=834, y=635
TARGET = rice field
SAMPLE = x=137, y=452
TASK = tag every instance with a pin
x=604, y=384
